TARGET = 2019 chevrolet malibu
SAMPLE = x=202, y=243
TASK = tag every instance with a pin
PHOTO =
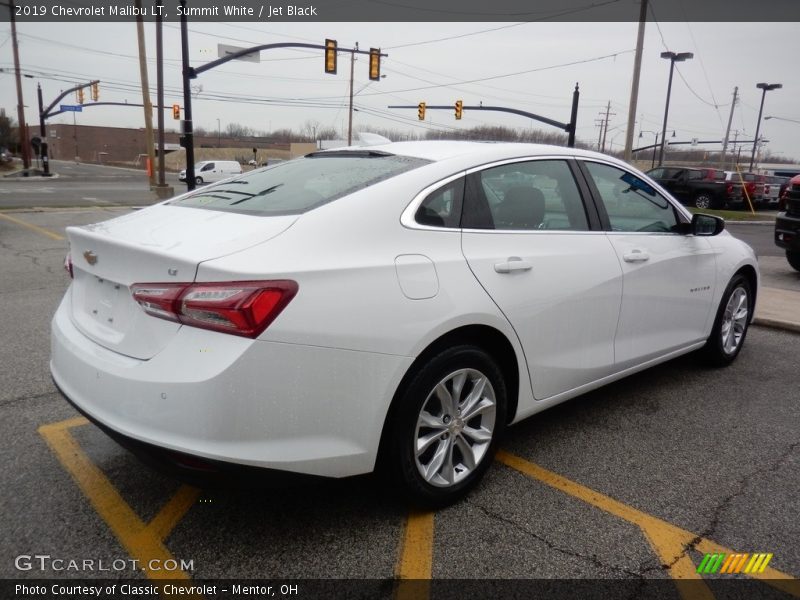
x=403, y=302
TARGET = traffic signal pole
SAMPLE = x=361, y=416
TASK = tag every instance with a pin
x=569, y=128
x=187, y=140
x=42, y=135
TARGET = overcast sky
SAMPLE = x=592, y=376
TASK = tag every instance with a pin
x=530, y=66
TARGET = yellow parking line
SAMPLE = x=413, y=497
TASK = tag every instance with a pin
x=36, y=228
x=173, y=511
x=667, y=540
x=143, y=542
x=415, y=564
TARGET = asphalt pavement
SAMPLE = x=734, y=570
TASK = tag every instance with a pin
x=633, y=482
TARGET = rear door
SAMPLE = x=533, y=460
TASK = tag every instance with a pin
x=668, y=277
x=539, y=254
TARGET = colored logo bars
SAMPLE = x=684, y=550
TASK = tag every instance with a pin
x=734, y=563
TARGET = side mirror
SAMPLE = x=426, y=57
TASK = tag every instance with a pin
x=706, y=225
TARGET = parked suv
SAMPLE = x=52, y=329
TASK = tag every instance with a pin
x=773, y=189
x=700, y=187
x=787, y=224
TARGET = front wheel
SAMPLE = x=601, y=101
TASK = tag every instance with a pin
x=730, y=326
x=198, y=180
x=793, y=256
x=447, y=426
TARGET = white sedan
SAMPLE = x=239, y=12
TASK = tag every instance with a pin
x=392, y=306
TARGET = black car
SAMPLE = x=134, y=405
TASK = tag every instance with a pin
x=701, y=187
x=787, y=225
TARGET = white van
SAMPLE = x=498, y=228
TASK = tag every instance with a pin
x=208, y=171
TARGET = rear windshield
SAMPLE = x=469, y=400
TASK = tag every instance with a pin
x=296, y=186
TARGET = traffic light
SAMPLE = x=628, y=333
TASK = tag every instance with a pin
x=374, y=64
x=421, y=111
x=459, y=109
x=176, y=111
x=80, y=96
x=330, y=56
x=95, y=91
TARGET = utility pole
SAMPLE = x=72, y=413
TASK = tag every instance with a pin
x=23, y=142
x=148, y=106
x=350, y=113
x=637, y=68
x=728, y=130
x=605, y=127
x=600, y=124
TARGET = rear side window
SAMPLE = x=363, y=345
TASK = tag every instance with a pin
x=442, y=207
x=296, y=186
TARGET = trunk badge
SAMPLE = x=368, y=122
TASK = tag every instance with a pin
x=90, y=257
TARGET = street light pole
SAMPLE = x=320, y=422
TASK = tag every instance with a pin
x=219, y=134
x=764, y=87
x=673, y=58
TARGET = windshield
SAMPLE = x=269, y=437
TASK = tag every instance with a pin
x=296, y=186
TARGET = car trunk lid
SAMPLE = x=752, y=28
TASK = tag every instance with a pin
x=161, y=244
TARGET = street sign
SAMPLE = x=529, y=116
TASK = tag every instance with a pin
x=71, y=107
x=224, y=50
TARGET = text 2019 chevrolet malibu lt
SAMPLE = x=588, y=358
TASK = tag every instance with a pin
x=403, y=302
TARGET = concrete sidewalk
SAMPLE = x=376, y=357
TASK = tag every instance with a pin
x=778, y=308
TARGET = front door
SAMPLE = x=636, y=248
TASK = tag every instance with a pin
x=668, y=277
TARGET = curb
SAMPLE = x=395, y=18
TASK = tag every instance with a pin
x=777, y=324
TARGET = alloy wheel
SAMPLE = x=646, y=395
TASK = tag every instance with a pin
x=455, y=427
x=734, y=320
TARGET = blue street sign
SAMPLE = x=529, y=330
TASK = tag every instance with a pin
x=71, y=107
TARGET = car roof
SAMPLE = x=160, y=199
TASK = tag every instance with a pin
x=440, y=150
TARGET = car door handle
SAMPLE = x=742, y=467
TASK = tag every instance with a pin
x=514, y=263
x=636, y=256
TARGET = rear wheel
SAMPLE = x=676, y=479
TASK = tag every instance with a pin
x=793, y=257
x=447, y=426
x=705, y=201
x=730, y=326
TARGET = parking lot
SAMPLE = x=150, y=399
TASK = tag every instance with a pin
x=632, y=484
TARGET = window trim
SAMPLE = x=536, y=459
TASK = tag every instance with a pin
x=683, y=214
x=592, y=217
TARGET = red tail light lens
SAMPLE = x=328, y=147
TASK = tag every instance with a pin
x=68, y=265
x=243, y=308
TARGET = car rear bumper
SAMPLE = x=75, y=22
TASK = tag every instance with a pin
x=289, y=407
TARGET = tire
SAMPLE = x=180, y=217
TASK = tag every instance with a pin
x=731, y=324
x=198, y=180
x=437, y=453
x=793, y=256
x=705, y=201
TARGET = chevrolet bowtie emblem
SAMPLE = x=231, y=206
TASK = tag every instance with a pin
x=90, y=257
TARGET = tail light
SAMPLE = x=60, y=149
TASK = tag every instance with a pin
x=729, y=189
x=243, y=308
x=68, y=265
